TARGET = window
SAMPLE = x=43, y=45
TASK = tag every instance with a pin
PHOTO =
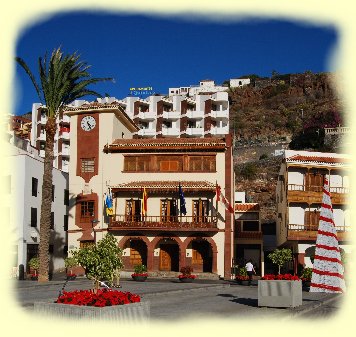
x=52, y=220
x=251, y=226
x=66, y=197
x=86, y=210
x=34, y=186
x=314, y=180
x=33, y=217
x=65, y=222
x=202, y=164
x=200, y=210
x=169, y=210
x=87, y=165
x=133, y=210
x=170, y=163
x=53, y=188
x=136, y=163
x=311, y=219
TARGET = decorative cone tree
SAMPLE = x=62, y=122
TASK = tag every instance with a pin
x=328, y=268
x=62, y=79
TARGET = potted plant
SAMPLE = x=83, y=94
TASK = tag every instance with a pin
x=241, y=276
x=282, y=290
x=306, y=276
x=70, y=263
x=34, y=264
x=186, y=274
x=140, y=273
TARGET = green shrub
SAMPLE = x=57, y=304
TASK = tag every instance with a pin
x=140, y=268
x=280, y=257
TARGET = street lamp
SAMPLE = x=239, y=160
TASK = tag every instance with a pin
x=93, y=223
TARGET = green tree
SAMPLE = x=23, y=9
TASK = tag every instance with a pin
x=280, y=257
x=62, y=79
x=100, y=260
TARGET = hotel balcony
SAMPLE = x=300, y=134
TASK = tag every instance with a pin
x=170, y=132
x=309, y=232
x=193, y=114
x=64, y=119
x=220, y=114
x=171, y=114
x=147, y=115
x=65, y=152
x=166, y=223
x=146, y=132
x=218, y=131
x=194, y=131
x=314, y=194
x=64, y=136
x=252, y=235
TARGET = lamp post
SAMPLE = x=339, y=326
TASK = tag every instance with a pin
x=93, y=223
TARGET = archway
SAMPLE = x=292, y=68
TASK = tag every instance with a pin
x=168, y=255
x=202, y=255
x=135, y=252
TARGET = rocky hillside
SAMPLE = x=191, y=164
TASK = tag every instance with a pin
x=270, y=114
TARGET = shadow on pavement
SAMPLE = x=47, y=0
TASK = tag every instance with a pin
x=251, y=302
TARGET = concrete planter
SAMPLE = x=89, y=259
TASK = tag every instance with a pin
x=280, y=294
x=130, y=313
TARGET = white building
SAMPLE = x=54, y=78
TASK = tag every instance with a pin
x=23, y=191
x=207, y=86
x=61, y=139
x=178, y=116
x=299, y=197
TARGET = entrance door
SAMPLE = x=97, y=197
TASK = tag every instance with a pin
x=169, y=257
x=138, y=253
x=201, y=259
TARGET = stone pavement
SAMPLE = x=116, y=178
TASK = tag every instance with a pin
x=171, y=299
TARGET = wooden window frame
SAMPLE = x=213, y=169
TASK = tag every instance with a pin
x=198, y=215
x=87, y=210
x=169, y=211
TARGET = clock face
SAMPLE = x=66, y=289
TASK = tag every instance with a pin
x=88, y=123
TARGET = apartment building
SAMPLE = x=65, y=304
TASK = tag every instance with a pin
x=178, y=116
x=23, y=191
x=144, y=176
x=61, y=139
x=299, y=197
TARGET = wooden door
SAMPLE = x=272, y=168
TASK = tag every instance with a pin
x=165, y=262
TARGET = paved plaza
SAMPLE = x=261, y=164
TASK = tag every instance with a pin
x=172, y=300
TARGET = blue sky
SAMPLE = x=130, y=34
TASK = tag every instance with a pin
x=163, y=52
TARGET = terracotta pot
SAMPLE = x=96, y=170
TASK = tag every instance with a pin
x=71, y=277
x=139, y=278
x=186, y=279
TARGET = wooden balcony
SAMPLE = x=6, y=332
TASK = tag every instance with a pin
x=164, y=223
x=309, y=232
x=314, y=194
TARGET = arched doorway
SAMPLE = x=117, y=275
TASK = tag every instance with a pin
x=138, y=252
x=202, y=256
x=168, y=255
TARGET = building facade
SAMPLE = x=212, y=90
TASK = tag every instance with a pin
x=23, y=206
x=106, y=157
x=299, y=196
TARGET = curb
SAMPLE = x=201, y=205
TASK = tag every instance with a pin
x=311, y=307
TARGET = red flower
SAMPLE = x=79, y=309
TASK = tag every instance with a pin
x=139, y=274
x=102, y=298
x=288, y=277
x=187, y=276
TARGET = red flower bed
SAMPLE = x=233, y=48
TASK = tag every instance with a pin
x=241, y=278
x=288, y=277
x=186, y=276
x=102, y=298
x=139, y=274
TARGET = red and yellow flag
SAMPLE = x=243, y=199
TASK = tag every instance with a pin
x=144, y=202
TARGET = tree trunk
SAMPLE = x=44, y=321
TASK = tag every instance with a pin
x=45, y=219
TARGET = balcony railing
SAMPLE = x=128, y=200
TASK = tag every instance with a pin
x=300, y=232
x=163, y=222
x=311, y=188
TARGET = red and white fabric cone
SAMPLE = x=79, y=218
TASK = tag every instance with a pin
x=327, y=269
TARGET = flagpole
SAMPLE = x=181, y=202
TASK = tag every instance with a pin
x=216, y=202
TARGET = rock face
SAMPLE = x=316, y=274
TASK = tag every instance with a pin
x=270, y=113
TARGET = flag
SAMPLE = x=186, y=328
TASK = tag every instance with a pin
x=218, y=192
x=183, y=210
x=221, y=197
x=144, y=202
x=108, y=204
x=328, y=270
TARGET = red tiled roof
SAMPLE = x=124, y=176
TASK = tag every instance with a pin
x=165, y=186
x=122, y=145
x=247, y=207
x=318, y=159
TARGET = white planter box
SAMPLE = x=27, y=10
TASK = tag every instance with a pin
x=130, y=313
x=280, y=294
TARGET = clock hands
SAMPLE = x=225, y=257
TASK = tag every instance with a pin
x=90, y=127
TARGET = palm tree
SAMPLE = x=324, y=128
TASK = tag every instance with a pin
x=62, y=79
